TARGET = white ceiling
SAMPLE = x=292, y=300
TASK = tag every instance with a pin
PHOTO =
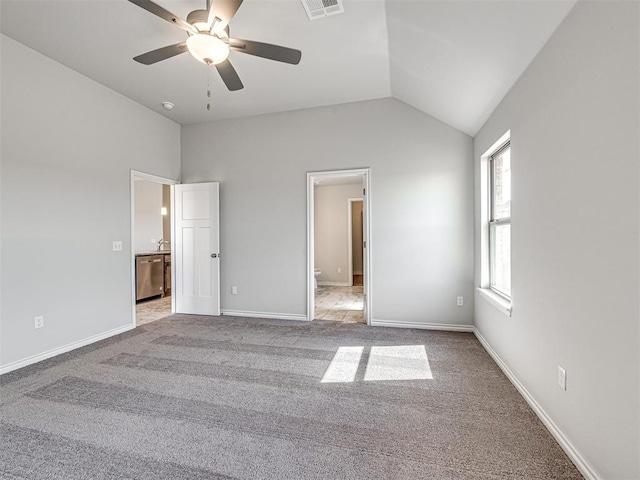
x=453, y=59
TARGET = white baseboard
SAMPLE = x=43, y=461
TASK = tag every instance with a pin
x=277, y=316
x=424, y=326
x=333, y=284
x=574, y=454
x=64, y=349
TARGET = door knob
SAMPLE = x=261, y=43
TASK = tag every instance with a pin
x=214, y=255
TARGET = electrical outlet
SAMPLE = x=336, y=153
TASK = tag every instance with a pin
x=339, y=270
x=460, y=301
x=562, y=378
x=38, y=322
x=154, y=241
x=117, y=246
x=234, y=290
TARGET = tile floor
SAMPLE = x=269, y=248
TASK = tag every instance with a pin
x=344, y=304
x=152, y=310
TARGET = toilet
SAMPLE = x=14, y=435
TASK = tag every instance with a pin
x=316, y=272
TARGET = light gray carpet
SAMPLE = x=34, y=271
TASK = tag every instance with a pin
x=193, y=397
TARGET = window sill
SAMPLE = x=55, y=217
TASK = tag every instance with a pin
x=501, y=303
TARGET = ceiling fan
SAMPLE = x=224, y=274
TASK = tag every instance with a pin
x=208, y=39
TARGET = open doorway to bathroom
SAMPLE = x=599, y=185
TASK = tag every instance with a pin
x=151, y=228
x=338, y=257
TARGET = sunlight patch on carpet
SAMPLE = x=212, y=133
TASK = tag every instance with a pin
x=344, y=365
x=401, y=362
x=397, y=362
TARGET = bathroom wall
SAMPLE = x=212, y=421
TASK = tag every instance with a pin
x=332, y=227
x=147, y=218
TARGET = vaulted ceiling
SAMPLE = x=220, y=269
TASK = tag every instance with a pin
x=452, y=59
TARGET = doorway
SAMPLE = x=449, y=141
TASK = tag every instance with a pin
x=151, y=247
x=338, y=246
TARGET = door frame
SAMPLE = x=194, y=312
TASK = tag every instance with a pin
x=137, y=175
x=350, y=202
x=366, y=211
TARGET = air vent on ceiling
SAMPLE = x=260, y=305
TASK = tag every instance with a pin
x=322, y=8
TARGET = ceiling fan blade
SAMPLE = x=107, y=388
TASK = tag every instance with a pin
x=229, y=75
x=266, y=50
x=224, y=10
x=161, y=54
x=157, y=10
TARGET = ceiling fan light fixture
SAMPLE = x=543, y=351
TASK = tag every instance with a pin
x=207, y=48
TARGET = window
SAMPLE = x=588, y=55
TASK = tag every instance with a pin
x=499, y=217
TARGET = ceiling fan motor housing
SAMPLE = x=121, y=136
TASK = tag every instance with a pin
x=199, y=20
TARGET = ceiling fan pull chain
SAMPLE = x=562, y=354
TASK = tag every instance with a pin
x=208, y=87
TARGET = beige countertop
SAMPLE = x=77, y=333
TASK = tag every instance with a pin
x=153, y=252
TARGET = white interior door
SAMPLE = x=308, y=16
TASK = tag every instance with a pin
x=197, y=248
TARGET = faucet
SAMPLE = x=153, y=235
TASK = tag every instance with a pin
x=162, y=242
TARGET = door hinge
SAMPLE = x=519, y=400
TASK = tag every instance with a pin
x=364, y=191
x=364, y=244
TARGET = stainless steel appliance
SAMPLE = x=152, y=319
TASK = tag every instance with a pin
x=149, y=276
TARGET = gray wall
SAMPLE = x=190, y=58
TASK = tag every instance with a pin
x=331, y=246
x=574, y=126
x=421, y=200
x=67, y=148
x=148, y=219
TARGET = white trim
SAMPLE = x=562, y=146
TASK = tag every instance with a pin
x=311, y=282
x=136, y=175
x=334, y=284
x=423, y=326
x=349, y=242
x=574, y=454
x=152, y=178
x=277, y=316
x=498, y=301
x=367, y=276
x=64, y=349
x=366, y=209
x=485, y=202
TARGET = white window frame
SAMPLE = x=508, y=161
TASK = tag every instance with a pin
x=497, y=298
x=493, y=221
